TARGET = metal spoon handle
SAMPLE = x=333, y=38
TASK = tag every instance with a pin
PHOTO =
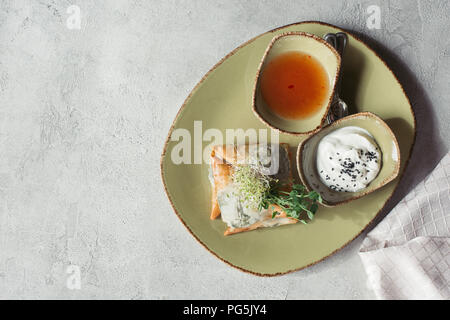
x=339, y=42
x=339, y=108
x=342, y=40
x=331, y=39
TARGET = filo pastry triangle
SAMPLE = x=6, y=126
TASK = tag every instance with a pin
x=226, y=200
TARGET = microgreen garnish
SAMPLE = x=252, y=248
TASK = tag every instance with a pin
x=260, y=191
x=293, y=203
x=251, y=185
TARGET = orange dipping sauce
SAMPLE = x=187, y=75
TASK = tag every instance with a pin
x=294, y=85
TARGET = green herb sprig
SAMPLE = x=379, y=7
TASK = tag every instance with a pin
x=260, y=191
x=293, y=203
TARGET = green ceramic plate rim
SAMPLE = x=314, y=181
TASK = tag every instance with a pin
x=201, y=81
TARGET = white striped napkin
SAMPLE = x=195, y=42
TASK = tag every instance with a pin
x=407, y=255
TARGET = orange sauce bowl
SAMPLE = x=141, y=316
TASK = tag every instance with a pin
x=295, y=83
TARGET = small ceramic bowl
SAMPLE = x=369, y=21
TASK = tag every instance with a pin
x=306, y=158
x=308, y=44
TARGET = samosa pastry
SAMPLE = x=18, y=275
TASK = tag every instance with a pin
x=238, y=174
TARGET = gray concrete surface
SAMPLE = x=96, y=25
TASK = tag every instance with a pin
x=83, y=117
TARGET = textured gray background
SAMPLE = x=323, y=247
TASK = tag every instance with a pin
x=83, y=117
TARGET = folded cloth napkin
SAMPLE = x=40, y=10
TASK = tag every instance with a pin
x=407, y=255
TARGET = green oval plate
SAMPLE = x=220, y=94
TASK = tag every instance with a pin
x=223, y=99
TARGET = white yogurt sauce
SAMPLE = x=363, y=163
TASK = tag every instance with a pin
x=233, y=212
x=348, y=159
